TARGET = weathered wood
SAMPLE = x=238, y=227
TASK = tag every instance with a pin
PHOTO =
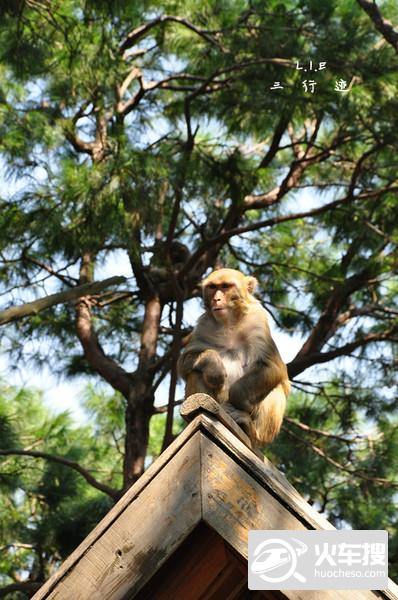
x=204, y=567
x=234, y=503
x=128, y=555
x=190, y=571
x=202, y=403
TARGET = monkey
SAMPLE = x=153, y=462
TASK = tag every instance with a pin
x=232, y=357
x=166, y=257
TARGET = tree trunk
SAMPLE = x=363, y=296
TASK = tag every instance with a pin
x=138, y=415
x=141, y=397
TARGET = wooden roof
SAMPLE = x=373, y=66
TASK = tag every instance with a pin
x=181, y=531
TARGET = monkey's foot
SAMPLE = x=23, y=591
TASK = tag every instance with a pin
x=241, y=418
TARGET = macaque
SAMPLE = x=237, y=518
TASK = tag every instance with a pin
x=232, y=357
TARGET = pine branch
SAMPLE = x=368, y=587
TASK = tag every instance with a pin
x=68, y=463
x=382, y=25
x=226, y=233
x=328, y=322
x=138, y=33
x=33, y=308
x=298, y=365
x=353, y=472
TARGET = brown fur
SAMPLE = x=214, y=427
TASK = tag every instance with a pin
x=232, y=356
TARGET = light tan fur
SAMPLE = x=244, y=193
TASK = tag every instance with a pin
x=232, y=356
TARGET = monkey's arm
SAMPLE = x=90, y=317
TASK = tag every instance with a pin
x=186, y=362
x=257, y=383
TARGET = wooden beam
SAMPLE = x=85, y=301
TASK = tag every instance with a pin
x=202, y=404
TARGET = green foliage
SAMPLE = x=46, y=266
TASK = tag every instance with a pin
x=47, y=508
x=156, y=433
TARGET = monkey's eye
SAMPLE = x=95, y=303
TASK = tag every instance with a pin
x=226, y=286
x=211, y=286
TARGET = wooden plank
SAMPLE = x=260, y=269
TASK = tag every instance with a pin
x=277, y=484
x=203, y=404
x=144, y=535
x=204, y=567
x=118, y=509
x=234, y=503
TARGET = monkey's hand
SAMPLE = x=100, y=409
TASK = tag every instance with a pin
x=209, y=363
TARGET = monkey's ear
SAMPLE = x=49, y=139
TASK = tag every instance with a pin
x=251, y=283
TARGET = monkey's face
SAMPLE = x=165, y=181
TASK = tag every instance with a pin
x=223, y=296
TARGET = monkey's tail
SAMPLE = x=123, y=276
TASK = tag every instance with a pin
x=268, y=415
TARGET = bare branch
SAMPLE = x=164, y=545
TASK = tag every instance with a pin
x=356, y=439
x=327, y=323
x=274, y=146
x=29, y=587
x=353, y=472
x=302, y=362
x=67, y=280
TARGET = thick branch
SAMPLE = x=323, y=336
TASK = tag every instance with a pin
x=68, y=463
x=303, y=159
x=117, y=377
x=78, y=144
x=150, y=332
x=274, y=146
x=328, y=321
x=303, y=362
x=382, y=25
x=33, y=308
